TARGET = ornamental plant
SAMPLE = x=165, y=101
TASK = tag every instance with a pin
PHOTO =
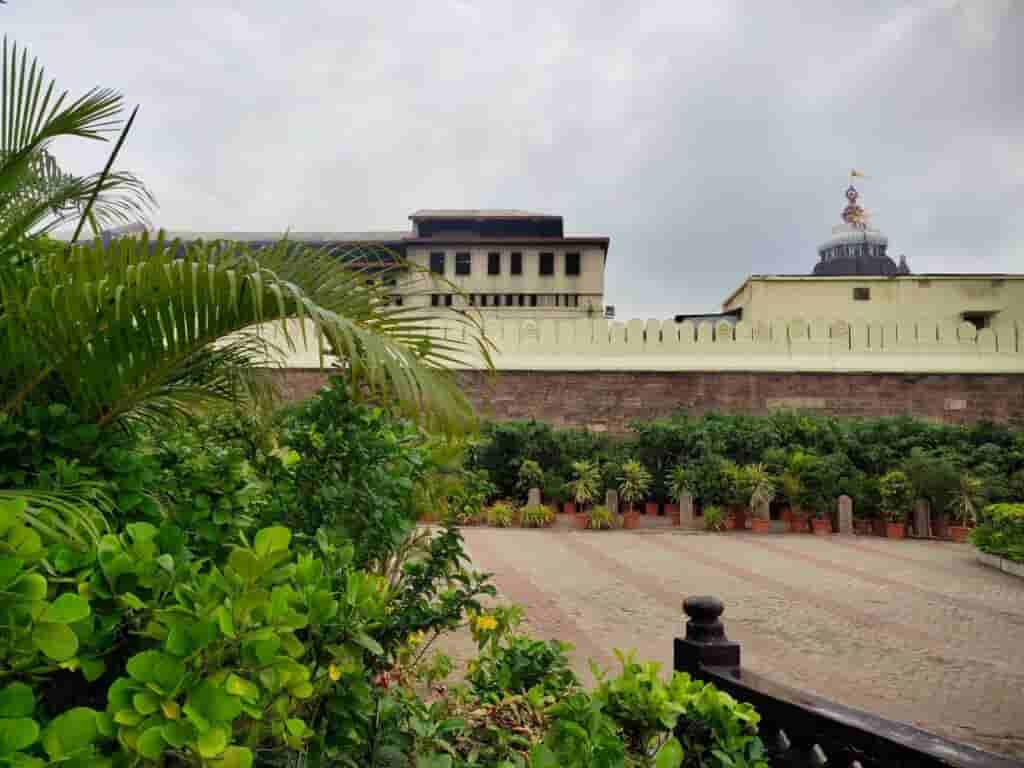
x=634, y=482
x=530, y=475
x=536, y=516
x=966, y=500
x=501, y=514
x=586, y=482
x=1000, y=531
x=897, y=494
x=679, y=483
x=600, y=518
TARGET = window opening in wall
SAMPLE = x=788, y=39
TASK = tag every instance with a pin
x=398, y=301
x=522, y=299
x=462, y=262
x=447, y=299
x=435, y=300
x=533, y=299
x=978, y=319
x=472, y=299
x=516, y=264
x=572, y=263
x=510, y=300
x=547, y=264
x=437, y=263
x=493, y=263
x=861, y=293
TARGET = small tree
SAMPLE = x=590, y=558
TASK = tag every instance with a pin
x=897, y=495
x=967, y=499
x=586, y=482
x=634, y=482
x=679, y=483
x=761, y=484
x=530, y=476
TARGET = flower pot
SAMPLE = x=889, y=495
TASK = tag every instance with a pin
x=672, y=510
x=878, y=527
x=862, y=527
x=729, y=523
x=821, y=527
x=895, y=530
x=786, y=515
x=958, y=532
x=651, y=508
x=757, y=525
x=631, y=519
x=580, y=520
x=940, y=528
x=569, y=507
x=798, y=523
x=739, y=514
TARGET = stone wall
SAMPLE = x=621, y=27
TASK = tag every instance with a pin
x=609, y=400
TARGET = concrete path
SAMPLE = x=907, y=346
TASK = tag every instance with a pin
x=914, y=631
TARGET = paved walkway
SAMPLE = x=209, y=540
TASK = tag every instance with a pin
x=914, y=631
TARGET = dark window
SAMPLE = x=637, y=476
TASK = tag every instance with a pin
x=516, y=264
x=472, y=299
x=447, y=299
x=572, y=263
x=462, y=262
x=861, y=294
x=547, y=263
x=522, y=299
x=533, y=299
x=493, y=263
x=435, y=300
x=398, y=301
x=483, y=299
x=510, y=300
x=437, y=263
x=557, y=301
x=978, y=319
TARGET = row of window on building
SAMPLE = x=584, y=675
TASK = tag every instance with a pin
x=464, y=263
x=505, y=300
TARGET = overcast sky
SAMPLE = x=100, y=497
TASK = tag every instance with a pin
x=708, y=140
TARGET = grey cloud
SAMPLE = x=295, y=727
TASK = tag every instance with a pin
x=709, y=139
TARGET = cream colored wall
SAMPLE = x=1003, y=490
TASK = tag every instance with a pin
x=901, y=298
x=588, y=285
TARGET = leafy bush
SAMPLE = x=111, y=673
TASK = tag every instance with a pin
x=897, y=495
x=537, y=516
x=530, y=475
x=501, y=514
x=1000, y=531
x=518, y=664
x=600, y=519
x=714, y=520
x=586, y=482
x=634, y=481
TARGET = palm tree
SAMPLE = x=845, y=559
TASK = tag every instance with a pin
x=584, y=485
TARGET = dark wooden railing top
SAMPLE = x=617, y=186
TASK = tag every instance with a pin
x=803, y=729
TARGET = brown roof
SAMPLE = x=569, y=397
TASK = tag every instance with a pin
x=489, y=240
x=478, y=213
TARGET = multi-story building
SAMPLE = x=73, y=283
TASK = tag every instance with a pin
x=504, y=263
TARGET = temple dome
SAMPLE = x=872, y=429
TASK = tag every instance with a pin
x=855, y=248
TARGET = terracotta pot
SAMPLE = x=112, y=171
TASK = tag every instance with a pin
x=862, y=527
x=569, y=507
x=786, y=515
x=729, y=523
x=651, y=508
x=631, y=519
x=757, y=525
x=958, y=532
x=739, y=512
x=878, y=527
x=798, y=524
x=940, y=527
x=672, y=510
x=822, y=527
x=895, y=531
x=580, y=520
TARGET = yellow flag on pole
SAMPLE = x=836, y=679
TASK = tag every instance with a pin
x=856, y=174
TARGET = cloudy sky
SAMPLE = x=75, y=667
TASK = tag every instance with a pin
x=709, y=139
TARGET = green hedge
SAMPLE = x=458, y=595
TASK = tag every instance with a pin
x=1000, y=531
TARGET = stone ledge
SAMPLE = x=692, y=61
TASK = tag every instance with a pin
x=1002, y=564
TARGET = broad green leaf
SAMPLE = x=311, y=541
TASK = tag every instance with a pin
x=70, y=732
x=57, y=641
x=238, y=686
x=17, y=733
x=670, y=755
x=369, y=644
x=31, y=586
x=151, y=743
x=213, y=742
x=93, y=669
x=236, y=757
x=214, y=703
x=146, y=702
x=273, y=539
x=66, y=609
x=16, y=700
x=10, y=567
x=295, y=726
x=178, y=734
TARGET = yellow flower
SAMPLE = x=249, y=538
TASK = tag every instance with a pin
x=416, y=638
x=485, y=622
x=334, y=673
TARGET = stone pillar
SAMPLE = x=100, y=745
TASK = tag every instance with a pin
x=922, y=519
x=533, y=497
x=845, y=514
x=686, y=516
x=611, y=500
x=705, y=644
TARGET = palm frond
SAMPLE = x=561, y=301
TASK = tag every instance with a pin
x=144, y=329
x=75, y=514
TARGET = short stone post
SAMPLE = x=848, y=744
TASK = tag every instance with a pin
x=922, y=519
x=686, y=516
x=533, y=497
x=845, y=514
x=705, y=644
x=611, y=500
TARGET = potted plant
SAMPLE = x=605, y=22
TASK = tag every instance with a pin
x=600, y=519
x=530, y=476
x=792, y=489
x=583, y=487
x=501, y=514
x=964, y=507
x=679, y=483
x=816, y=492
x=762, y=493
x=634, y=482
x=714, y=520
x=897, y=497
x=737, y=493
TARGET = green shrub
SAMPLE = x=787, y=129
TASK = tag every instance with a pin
x=501, y=514
x=537, y=516
x=586, y=482
x=897, y=495
x=518, y=664
x=1000, y=531
x=600, y=519
x=714, y=520
x=530, y=475
x=634, y=482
